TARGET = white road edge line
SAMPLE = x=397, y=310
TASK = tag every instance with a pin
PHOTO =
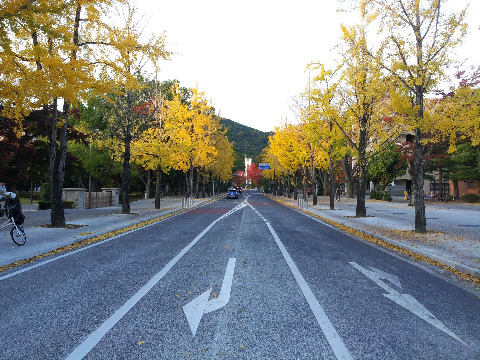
x=95, y=337
x=336, y=343
x=31, y=267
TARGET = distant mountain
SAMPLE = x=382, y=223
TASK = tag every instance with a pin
x=246, y=141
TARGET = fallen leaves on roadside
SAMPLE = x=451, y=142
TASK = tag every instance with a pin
x=379, y=241
x=94, y=239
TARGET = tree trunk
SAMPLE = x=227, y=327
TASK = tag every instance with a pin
x=332, y=186
x=126, y=180
x=57, y=165
x=158, y=188
x=314, y=186
x=418, y=183
x=347, y=169
x=147, y=185
x=190, y=183
x=289, y=192
x=418, y=168
x=197, y=183
x=57, y=160
x=305, y=183
x=440, y=182
x=204, y=184
x=325, y=182
x=295, y=186
x=361, y=210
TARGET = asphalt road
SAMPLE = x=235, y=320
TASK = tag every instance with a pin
x=235, y=279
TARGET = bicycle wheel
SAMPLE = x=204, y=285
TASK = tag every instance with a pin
x=18, y=235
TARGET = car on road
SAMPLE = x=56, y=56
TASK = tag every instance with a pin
x=232, y=193
x=239, y=189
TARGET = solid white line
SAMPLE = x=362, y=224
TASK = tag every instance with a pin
x=31, y=267
x=95, y=337
x=336, y=343
x=67, y=254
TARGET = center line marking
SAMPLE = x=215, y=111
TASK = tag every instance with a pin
x=336, y=343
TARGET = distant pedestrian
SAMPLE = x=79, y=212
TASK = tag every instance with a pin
x=337, y=194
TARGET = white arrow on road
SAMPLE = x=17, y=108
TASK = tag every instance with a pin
x=406, y=301
x=195, y=309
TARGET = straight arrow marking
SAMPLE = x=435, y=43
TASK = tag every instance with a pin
x=195, y=309
x=406, y=301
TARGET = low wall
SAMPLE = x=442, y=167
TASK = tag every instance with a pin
x=77, y=195
x=99, y=199
x=80, y=196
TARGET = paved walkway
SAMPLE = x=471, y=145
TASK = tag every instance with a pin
x=453, y=237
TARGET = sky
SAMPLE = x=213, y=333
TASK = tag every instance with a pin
x=250, y=57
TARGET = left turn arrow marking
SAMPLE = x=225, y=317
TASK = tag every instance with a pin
x=195, y=309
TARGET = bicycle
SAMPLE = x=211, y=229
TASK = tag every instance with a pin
x=16, y=232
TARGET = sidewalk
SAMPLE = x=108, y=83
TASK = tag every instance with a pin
x=453, y=237
x=83, y=225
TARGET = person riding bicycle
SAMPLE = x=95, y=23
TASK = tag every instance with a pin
x=12, y=207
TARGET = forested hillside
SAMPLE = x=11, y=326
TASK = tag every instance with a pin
x=246, y=141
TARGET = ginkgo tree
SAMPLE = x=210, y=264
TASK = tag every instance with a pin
x=221, y=167
x=457, y=115
x=323, y=122
x=419, y=37
x=191, y=128
x=131, y=98
x=54, y=50
x=40, y=64
x=152, y=150
x=275, y=169
x=368, y=124
x=286, y=145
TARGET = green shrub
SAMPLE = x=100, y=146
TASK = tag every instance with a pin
x=387, y=196
x=27, y=194
x=471, y=198
x=44, y=205
x=380, y=195
x=69, y=204
x=45, y=192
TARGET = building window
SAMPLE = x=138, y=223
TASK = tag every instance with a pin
x=435, y=187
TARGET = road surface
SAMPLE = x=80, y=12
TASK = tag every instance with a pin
x=235, y=279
